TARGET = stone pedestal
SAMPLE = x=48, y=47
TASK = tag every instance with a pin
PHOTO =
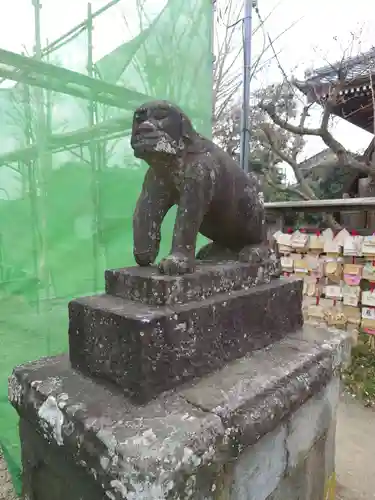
x=150, y=333
x=200, y=387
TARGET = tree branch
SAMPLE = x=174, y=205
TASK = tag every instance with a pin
x=270, y=109
x=285, y=189
x=327, y=137
x=297, y=143
x=268, y=132
x=343, y=158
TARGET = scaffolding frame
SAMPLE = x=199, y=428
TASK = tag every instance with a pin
x=40, y=78
x=39, y=304
x=32, y=71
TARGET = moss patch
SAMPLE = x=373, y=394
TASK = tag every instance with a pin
x=359, y=378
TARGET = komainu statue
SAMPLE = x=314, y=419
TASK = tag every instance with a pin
x=214, y=196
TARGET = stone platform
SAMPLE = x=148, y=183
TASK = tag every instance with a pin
x=198, y=387
x=150, y=333
x=262, y=427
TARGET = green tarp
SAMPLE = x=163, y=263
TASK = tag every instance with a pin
x=67, y=217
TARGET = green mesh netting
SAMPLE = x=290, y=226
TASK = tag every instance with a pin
x=65, y=215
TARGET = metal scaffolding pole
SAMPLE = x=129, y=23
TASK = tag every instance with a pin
x=40, y=223
x=245, y=115
x=48, y=76
x=93, y=151
x=81, y=26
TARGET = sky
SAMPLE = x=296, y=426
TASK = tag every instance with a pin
x=59, y=16
x=322, y=33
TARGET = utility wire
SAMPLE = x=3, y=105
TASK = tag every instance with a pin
x=275, y=54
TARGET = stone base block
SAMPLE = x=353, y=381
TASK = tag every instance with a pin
x=250, y=430
x=50, y=474
x=147, y=286
x=147, y=350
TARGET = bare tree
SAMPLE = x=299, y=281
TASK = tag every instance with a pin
x=263, y=159
x=228, y=47
x=331, y=88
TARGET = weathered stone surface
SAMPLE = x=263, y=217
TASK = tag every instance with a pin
x=312, y=421
x=339, y=342
x=147, y=350
x=148, y=286
x=330, y=448
x=307, y=480
x=125, y=451
x=260, y=468
x=49, y=474
x=255, y=393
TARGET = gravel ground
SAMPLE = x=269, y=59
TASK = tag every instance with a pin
x=6, y=487
x=355, y=445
